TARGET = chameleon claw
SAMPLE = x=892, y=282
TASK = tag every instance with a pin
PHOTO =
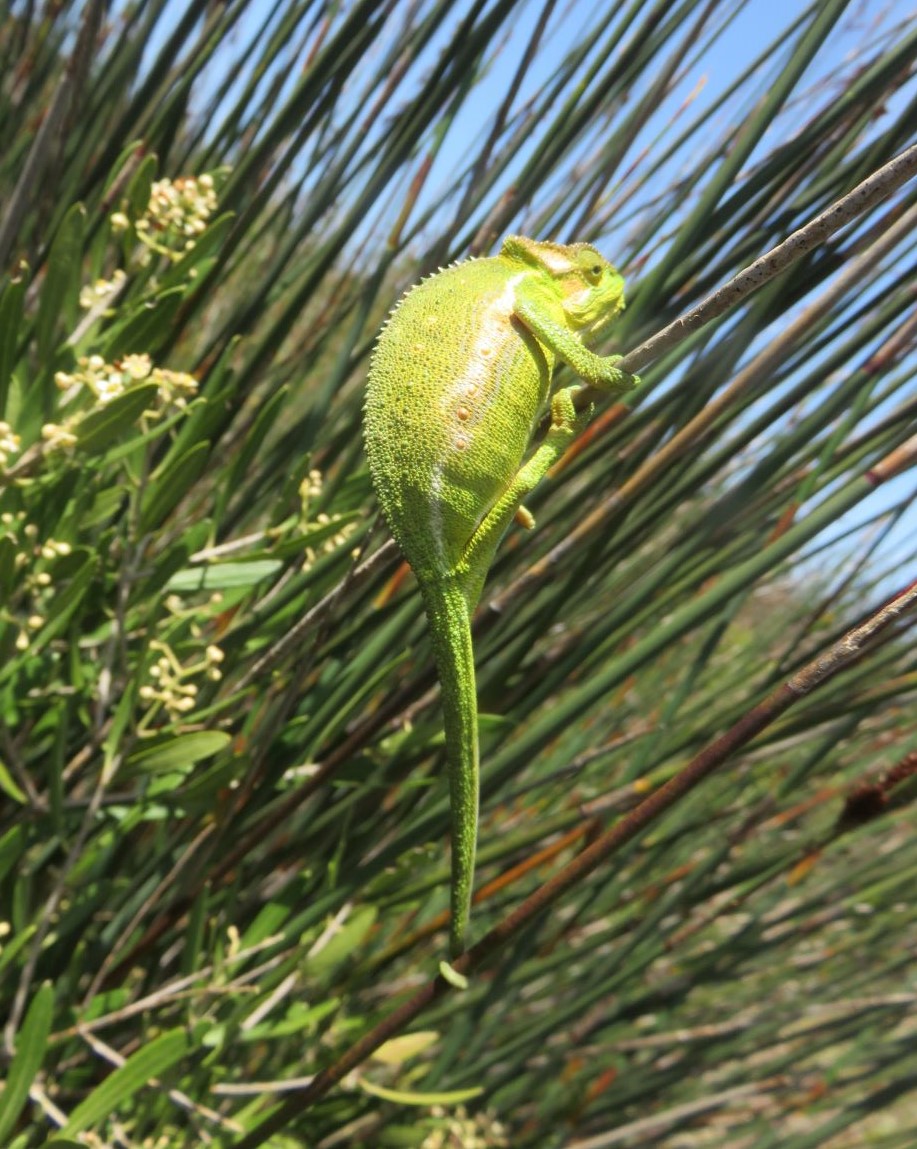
x=567, y=421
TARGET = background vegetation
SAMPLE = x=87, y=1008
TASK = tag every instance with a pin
x=223, y=850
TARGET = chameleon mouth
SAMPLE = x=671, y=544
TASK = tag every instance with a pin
x=593, y=325
x=590, y=313
x=605, y=318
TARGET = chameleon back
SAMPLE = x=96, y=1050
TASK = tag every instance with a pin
x=455, y=388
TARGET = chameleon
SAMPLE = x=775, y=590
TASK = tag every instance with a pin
x=459, y=382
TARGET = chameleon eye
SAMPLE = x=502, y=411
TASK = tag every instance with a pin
x=590, y=265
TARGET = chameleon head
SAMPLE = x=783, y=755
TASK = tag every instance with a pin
x=591, y=290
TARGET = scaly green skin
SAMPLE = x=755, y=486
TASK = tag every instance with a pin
x=459, y=380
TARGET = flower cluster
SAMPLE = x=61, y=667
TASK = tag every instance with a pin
x=9, y=443
x=338, y=539
x=460, y=1130
x=108, y=380
x=102, y=292
x=170, y=686
x=176, y=214
x=34, y=579
x=57, y=436
x=311, y=488
x=174, y=386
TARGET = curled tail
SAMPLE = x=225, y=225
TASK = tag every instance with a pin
x=450, y=628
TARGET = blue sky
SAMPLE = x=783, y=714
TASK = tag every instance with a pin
x=710, y=66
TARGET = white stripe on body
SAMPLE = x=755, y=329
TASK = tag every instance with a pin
x=465, y=394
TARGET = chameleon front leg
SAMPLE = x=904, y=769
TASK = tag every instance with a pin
x=602, y=371
x=566, y=424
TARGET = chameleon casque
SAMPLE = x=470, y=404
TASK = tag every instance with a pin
x=459, y=381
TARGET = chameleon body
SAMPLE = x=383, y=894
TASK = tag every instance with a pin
x=459, y=380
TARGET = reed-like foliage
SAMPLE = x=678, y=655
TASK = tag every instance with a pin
x=223, y=857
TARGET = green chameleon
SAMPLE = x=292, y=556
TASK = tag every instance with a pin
x=459, y=381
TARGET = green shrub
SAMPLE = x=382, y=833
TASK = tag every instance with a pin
x=223, y=854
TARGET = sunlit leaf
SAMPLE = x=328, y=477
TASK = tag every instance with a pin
x=30, y=1045
x=224, y=576
x=61, y=286
x=11, y=300
x=180, y=752
x=151, y=1059
x=146, y=328
x=170, y=483
x=408, y=1045
x=101, y=427
x=410, y=1097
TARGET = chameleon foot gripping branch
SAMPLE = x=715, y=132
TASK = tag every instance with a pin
x=459, y=380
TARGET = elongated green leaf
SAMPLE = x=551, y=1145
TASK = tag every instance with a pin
x=146, y=328
x=11, y=845
x=206, y=246
x=62, y=277
x=129, y=1079
x=410, y=1097
x=130, y=159
x=224, y=576
x=138, y=190
x=31, y=1042
x=8, y=552
x=104, y=507
x=176, y=558
x=299, y=1019
x=9, y=787
x=408, y=1045
x=180, y=752
x=170, y=483
x=253, y=442
x=11, y=300
x=12, y=949
x=344, y=943
x=100, y=428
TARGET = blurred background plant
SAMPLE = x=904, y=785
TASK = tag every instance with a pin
x=223, y=854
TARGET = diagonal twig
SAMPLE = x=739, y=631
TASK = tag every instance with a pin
x=841, y=654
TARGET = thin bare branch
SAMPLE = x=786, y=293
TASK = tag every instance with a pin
x=865, y=195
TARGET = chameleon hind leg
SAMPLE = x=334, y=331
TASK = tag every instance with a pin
x=566, y=424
